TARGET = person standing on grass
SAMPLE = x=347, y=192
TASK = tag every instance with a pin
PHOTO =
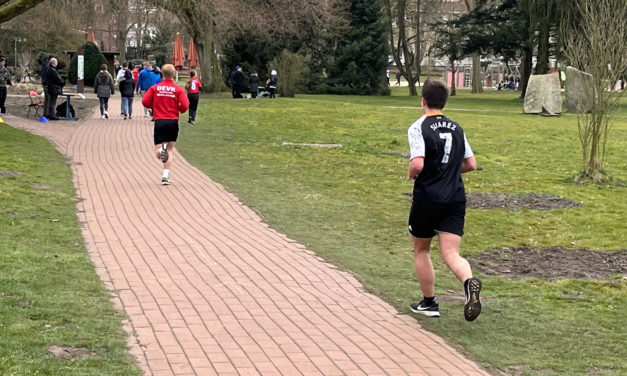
x=166, y=100
x=193, y=86
x=104, y=88
x=272, y=83
x=253, y=84
x=440, y=153
x=127, y=88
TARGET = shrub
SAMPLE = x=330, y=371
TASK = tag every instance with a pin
x=93, y=60
x=292, y=69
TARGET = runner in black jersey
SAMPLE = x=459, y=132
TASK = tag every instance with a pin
x=440, y=153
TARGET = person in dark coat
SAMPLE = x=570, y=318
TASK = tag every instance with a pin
x=104, y=88
x=253, y=83
x=5, y=79
x=55, y=88
x=127, y=90
x=44, y=82
x=237, y=82
x=272, y=83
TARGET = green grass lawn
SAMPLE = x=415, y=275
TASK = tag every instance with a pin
x=49, y=291
x=350, y=206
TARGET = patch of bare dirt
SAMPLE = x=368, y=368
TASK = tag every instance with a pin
x=17, y=104
x=551, y=263
x=69, y=353
x=9, y=173
x=535, y=201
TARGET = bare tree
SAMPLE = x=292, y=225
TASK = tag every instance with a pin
x=595, y=43
x=209, y=22
x=408, y=24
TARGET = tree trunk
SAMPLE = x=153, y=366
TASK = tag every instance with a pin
x=525, y=70
x=477, y=79
x=453, y=78
x=542, y=65
x=208, y=63
x=120, y=44
x=417, y=46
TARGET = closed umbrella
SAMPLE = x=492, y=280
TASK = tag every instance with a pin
x=178, y=58
x=90, y=36
x=192, y=55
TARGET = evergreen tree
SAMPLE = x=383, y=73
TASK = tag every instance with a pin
x=362, y=57
x=93, y=60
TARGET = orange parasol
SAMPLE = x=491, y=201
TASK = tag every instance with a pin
x=192, y=55
x=178, y=59
x=90, y=36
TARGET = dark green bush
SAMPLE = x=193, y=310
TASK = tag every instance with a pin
x=93, y=60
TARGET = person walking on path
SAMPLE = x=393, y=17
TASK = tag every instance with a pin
x=119, y=76
x=104, y=88
x=55, y=88
x=144, y=81
x=398, y=79
x=5, y=79
x=193, y=86
x=127, y=89
x=166, y=100
x=440, y=153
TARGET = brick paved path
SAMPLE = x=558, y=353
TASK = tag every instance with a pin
x=210, y=289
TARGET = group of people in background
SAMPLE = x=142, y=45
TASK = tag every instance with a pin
x=237, y=84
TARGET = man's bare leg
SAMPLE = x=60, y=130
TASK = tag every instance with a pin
x=449, y=246
x=424, y=266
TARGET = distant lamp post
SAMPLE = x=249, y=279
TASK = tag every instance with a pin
x=16, y=40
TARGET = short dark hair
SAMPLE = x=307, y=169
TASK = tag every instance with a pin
x=435, y=93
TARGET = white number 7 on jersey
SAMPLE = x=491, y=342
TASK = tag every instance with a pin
x=447, y=145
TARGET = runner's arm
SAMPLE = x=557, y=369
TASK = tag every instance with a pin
x=469, y=164
x=415, y=167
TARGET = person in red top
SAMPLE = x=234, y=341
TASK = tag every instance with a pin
x=167, y=100
x=135, y=73
x=193, y=86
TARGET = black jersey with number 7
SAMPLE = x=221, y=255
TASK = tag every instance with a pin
x=443, y=144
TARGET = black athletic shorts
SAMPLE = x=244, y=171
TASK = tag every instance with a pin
x=427, y=219
x=166, y=130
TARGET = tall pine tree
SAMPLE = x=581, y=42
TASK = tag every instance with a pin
x=362, y=57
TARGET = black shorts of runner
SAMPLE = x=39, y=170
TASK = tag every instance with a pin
x=166, y=130
x=427, y=219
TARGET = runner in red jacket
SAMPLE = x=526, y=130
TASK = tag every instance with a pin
x=167, y=100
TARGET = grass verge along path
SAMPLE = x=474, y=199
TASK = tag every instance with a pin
x=49, y=291
x=350, y=206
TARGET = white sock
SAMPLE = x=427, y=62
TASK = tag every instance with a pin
x=166, y=172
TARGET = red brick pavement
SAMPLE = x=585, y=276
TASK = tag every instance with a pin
x=209, y=289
